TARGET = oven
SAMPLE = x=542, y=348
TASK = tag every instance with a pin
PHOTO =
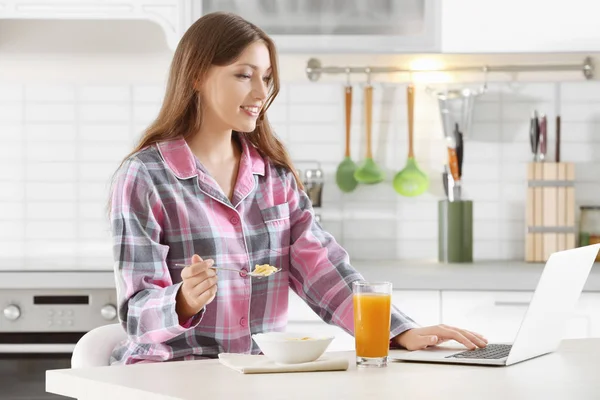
x=42, y=316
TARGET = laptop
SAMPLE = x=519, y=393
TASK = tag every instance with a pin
x=543, y=325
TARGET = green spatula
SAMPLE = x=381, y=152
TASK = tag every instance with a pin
x=344, y=176
x=411, y=181
x=368, y=172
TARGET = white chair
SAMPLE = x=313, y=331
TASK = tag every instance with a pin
x=95, y=347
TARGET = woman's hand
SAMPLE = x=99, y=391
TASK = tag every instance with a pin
x=199, y=288
x=421, y=338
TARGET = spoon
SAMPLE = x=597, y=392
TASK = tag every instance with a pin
x=235, y=270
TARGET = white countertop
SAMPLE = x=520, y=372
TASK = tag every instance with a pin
x=404, y=275
x=570, y=373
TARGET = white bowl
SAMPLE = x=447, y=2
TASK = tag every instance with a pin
x=287, y=348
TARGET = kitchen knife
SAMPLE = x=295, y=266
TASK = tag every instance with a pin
x=557, y=139
x=543, y=146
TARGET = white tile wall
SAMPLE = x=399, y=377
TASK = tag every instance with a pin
x=59, y=145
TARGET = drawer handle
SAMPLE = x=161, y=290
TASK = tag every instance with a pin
x=511, y=303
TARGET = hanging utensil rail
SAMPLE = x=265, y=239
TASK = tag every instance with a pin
x=314, y=69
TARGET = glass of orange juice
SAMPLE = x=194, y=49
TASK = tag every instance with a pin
x=372, y=317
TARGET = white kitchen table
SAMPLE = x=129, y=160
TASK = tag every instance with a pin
x=573, y=372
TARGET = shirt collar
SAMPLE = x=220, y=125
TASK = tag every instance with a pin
x=182, y=162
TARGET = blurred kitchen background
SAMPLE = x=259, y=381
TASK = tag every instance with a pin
x=80, y=80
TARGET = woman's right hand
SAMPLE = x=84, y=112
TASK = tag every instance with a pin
x=199, y=288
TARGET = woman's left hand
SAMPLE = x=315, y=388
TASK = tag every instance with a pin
x=421, y=338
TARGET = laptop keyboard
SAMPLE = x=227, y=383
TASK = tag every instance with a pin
x=491, y=351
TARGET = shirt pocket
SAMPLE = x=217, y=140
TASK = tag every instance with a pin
x=278, y=225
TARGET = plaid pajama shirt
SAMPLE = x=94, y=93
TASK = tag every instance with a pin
x=166, y=207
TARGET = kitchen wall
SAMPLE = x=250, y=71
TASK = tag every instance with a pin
x=62, y=138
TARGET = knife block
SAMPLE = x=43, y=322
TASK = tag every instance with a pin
x=550, y=211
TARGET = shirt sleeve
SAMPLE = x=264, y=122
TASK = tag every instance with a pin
x=145, y=290
x=320, y=269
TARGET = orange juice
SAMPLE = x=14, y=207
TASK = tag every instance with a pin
x=372, y=324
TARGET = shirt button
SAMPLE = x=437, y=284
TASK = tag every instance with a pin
x=234, y=220
x=243, y=272
x=243, y=321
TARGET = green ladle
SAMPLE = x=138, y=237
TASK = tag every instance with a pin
x=344, y=176
x=368, y=172
x=411, y=181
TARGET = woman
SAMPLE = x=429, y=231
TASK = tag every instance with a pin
x=210, y=183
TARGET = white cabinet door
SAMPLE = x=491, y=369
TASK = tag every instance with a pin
x=513, y=26
x=423, y=306
x=309, y=26
x=170, y=15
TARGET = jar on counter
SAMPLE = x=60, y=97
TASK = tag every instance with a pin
x=589, y=226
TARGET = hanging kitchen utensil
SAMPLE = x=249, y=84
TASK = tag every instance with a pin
x=543, y=138
x=344, y=175
x=368, y=172
x=411, y=181
x=459, y=149
x=557, y=147
x=534, y=135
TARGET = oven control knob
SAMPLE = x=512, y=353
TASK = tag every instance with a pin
x=12, y=312
x=108, y=312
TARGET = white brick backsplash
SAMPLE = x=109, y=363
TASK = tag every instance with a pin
x=50, y=133
x=35, y=112
x=60, y=144
x=369, y=229
x=99, y=172
x=310, y=93
x=105, y=133
x=54, y=229
x=45, y=152
x=370, y=249
x=412, y=230
x=580, y=112
x=321, y=133
x=51, y=172
x=103, y=152
x=578, y=132
x=16, y=248
x=50, y=93
x=101, y=94
x=486, y=249
x=11, y=230
x=580, y=92
x=483, y=230
x=51, y=191
x=11, y=191
x=47, y=251
x=417, y=249
x=11, y=93
x=315, y=114
x=11, y=152
x=148, y=94
x=11, y=172
x=94, y=211
x=12, y=211
x=278, y=113
x=93, y=191
x=11, y=132
x=10, y=112
x=94, y=229
x=54, y=211
x=104, y=112
x=145, y=113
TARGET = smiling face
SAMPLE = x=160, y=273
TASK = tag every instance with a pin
x=233, y=95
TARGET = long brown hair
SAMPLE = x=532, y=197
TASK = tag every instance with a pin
x=215, y=39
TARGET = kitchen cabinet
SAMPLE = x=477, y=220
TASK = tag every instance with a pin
x=512, y=26
x=171, y=15
x=349, y=26
x=498, y=314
